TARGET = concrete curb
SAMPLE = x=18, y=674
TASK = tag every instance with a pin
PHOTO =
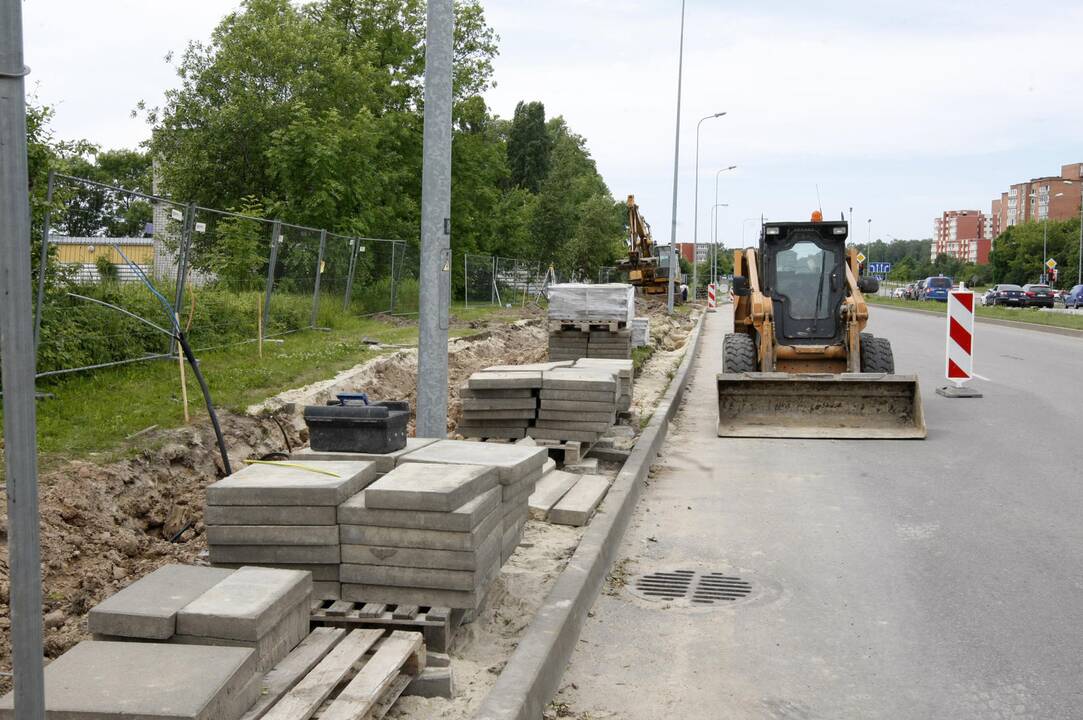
x=1051, y=329
x=532, y=676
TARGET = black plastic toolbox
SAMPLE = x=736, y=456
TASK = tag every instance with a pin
x=349, y=427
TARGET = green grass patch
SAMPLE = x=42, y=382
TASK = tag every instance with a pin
x=1033, y=316
x=640, y=356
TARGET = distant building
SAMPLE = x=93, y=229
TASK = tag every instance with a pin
x=81, y=254
x=1057, y=197
x=702, y=251
x=965, y=235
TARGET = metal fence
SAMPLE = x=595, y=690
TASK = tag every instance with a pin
x=495, y=280
x=232, y=276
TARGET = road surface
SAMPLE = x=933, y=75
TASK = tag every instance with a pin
x=892, y=579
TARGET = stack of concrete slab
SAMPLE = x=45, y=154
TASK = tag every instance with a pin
x=614, y=344
x=384, y=462
x=424, y=534
x=150, y=681
x=576, y=404
x=519, y=467
x=499, y=404
x=284, y=515
x=608, y=302
x=641, y=332
x=263, y=609
x=623, y=369
x=568, y=344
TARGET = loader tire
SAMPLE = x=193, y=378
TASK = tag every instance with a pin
x=876, y=355
x=738, y=354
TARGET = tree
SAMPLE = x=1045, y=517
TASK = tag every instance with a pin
x=1017, y=252
x=90, y=210
x=529, y=146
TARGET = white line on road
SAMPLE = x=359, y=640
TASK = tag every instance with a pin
x=981, y=377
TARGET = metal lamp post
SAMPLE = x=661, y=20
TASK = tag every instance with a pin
x=673, y=263
x=714, y=229
x=714, y=240
x=695, y=210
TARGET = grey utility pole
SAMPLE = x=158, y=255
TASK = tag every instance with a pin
x=714, y=228
x=432, y=375
x=17, y=349
x=695, y=211
x=674, y=264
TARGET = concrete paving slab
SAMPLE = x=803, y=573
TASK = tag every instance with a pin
x=579, y=504
x=574, y=416
x=550, y=465
x=596, y=427
x=623, y=368
x=326, y=572
x=430, y=487
x=269, y=515
x=585, y=466
x=274, y=555
x=246, y=605
x=148, y=607
x=466, y=391
x=463, y=519
x=306, y=485
x=272, y=646
x=512, y=461
x=603, y=396
x=578, y=406
x=550, y=489
x=424, y=539
x=147, y=681
x=486, y=433
x=528, y=367
x=272, y=534
x=501, y=380
x=326, y=590
x=465, y=580
x=505, y=414
x=554, y=434
x=422, y=558
x=475, y=404
x=385, y=462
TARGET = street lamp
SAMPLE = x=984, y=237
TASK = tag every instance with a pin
x=695, y=210
x=714, y=240
x=714, y=229
x=676, y=166
x=868, y=245
x=1045, y=232
x=744, y=224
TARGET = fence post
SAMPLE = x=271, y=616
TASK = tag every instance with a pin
x=182, y=265
x=276, y=237
x=43, y=262
x=466, y=283
x=354, y=243
x=319, y=273
x=394, y=276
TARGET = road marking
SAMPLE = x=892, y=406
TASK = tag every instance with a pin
x=982, y=377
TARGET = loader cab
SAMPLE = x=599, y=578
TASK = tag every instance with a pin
x=804, y=275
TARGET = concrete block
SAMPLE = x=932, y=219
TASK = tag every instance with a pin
x=326, y=590
x=512, y=461
x=269, y=515
x=528, y=367
x=466, y=580
x=148, y=607
x=554, y=434
x=585, y=466
x=550, y=489
x=550, y=465
x=245, y=605
x=578, y=406
x=501, y=433
x=424, y=558
x=501, y=380
x=573, y=416
x=327, y=572
x=458, y=599
x=470, y=415
x=432, y=682
x=577, y=379
x=494, y=423
x=384, y=462
x=430, y=487
x=149, y=681
x=526, y=441
x=595, y=427
x=279, y=485
x=465, y=392
x=272, y=555
x=622, y=368
x=272, y=534
x=579, y=504
x=423, y=539
x=475, y=404
x=604, y=396
x=271, y=647
x=437, y=659
x=463, y=519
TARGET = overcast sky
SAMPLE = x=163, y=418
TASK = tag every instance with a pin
x=900, y=110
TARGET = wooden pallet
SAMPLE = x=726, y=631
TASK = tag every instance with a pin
x=436, y=624
x=565, y=452
x=339, y=674
x=587, y=325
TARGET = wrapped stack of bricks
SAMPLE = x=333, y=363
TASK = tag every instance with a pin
x=590, y=321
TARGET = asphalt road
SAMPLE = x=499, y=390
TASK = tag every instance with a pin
x=892, y=579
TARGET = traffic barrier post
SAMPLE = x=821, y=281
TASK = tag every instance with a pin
x=712, y=297
x=959, y=354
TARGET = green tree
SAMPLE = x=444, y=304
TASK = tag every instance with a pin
x=90, y=210
x=239, y=255
x=529, y=146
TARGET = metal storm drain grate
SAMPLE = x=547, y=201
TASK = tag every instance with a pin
x=698, y=588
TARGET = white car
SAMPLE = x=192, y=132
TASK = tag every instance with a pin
x=899, y=292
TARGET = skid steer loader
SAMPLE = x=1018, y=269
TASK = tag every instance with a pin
x=798, y=364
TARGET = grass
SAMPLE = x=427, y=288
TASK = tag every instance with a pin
x=640, y=356
x=93, y=413
x=1024, y=315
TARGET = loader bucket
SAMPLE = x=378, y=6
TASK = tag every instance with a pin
x=857, y=406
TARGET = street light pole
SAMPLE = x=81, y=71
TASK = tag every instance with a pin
x=673, y=263
x=695, y=210
x=714, y=230
x=868, y=245
x=714, y=240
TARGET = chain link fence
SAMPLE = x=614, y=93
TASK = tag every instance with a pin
x=232, y=276
x=495, y=280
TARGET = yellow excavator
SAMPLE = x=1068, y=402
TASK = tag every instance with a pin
x=798, y=363
x=645, y=267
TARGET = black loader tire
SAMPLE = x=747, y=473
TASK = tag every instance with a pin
x=738, y=354
x=876, y=355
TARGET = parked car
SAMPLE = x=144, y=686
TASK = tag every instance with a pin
x=919, y=286
x=1038, y=295
x=1004, y=295
x=1074, y=298
x=910, y=291
x=899, y=292
x=936, y=288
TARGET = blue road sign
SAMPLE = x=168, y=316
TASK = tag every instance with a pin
x=880, y=268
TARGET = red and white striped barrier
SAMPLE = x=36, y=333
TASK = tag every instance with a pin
x=960, y=354
x=712, y=297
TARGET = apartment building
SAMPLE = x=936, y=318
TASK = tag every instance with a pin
x=1057, y=197
x=964, y=235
